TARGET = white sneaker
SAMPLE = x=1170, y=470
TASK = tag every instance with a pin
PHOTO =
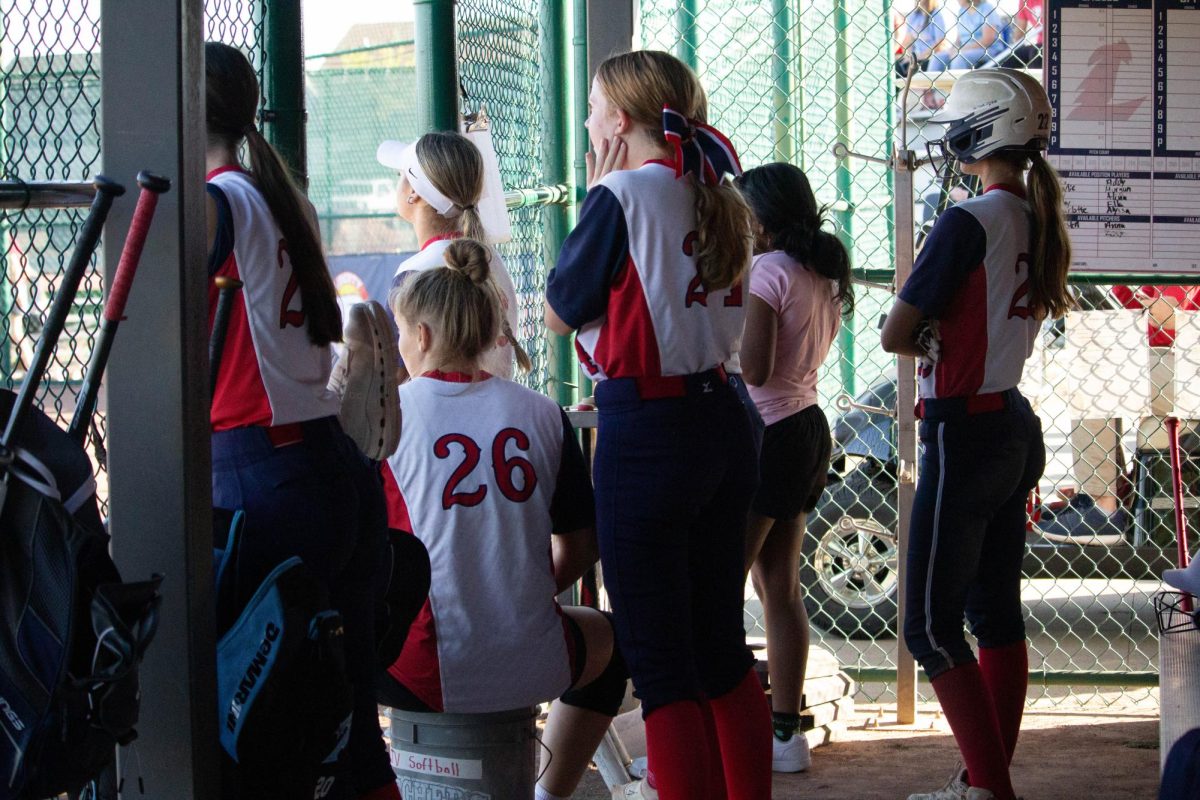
x=365, y=378
x=792, y=755
x=956, y=789
x=638, y=790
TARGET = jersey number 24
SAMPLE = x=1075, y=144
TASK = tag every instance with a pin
x=503, y=468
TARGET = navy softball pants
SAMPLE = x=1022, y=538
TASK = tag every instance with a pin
x=674, y=478
x=321, y=500
x=967, y=535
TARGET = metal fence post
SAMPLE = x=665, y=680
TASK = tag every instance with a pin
x=284, y=114
x=580, y=87
x=783, y=119
x=160, y=485
x=685, y=25
x=437, y=65
x=843, y=121
x=906, y=435
x=556, y=148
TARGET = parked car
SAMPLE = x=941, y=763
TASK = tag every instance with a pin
x=850, y=569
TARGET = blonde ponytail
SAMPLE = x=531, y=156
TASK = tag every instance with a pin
x=1050, y=256
x=523, y=361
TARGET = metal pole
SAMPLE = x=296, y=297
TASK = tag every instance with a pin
x=843, y=121
x=437, y=65
x=284, y=115
x=580, y=86
x=906, y=427
x=781, y=96
x=556, y=150
x=160, y=485
x=685, y=26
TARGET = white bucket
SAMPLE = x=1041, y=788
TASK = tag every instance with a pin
x=464, y=756
x=1178, y=671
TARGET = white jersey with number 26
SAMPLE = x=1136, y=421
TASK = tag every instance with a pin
x=475, y=472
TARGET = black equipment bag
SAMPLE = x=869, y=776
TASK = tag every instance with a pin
x=71, y=638
x=285, y=702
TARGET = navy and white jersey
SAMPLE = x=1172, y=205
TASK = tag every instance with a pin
x=271, y=374
x=485, y=472
x=972, y=276
x=627, y=280
x=499, y=359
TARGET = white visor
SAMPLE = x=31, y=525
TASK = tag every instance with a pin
x=403, y=158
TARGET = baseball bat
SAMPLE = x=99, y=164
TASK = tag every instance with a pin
x=114, y=308
x=1177, y=493
x=228, y=288
x=89, y=236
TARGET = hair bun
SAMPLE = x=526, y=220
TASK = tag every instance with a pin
x=469, y=258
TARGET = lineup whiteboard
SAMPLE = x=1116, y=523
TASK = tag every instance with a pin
x=1124, y=83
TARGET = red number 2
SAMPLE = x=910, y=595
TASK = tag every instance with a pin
x=1018, y=307
x=503, y=468
x=441, y=449
x=288, y=316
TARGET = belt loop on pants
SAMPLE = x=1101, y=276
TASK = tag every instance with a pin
x=942, y=407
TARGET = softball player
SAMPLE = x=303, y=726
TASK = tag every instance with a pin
x=278, y=451
x=441, y=181
x=489, y=476
x=993, y=267
x=799, y=288
x=652, y=279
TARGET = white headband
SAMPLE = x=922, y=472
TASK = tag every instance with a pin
x=403, y=159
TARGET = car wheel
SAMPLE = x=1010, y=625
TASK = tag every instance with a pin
x=850, y=570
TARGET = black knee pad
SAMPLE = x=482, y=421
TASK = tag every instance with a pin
x=603, y=695
x=407, y=588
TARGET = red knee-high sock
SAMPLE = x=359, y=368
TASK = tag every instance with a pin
x=744, y=728
x=1005, y=673
x=716, y=772
x=680, y=766
x=968, y=707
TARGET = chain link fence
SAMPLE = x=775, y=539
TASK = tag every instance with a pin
x=500, y=44
x=49, y=112
x=786, y=82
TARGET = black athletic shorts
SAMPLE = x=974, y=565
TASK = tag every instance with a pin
x=794, y=464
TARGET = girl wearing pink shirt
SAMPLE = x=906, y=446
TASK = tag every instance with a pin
x=799, y=288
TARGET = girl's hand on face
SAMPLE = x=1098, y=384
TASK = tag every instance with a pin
x=609, y=157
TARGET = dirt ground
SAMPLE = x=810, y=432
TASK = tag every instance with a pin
x=1062, y=755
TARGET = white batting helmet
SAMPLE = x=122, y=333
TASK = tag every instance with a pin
x=994, y=110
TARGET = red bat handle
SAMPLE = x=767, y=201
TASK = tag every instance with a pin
x=135, y=240
x=1177, y=491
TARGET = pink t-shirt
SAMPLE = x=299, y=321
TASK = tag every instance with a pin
x=809, y=316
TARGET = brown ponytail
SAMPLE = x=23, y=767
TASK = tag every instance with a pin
x=231, y=94
x=454, y=166
x=723, y=235
x=1050, y=255
x=640, y=84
